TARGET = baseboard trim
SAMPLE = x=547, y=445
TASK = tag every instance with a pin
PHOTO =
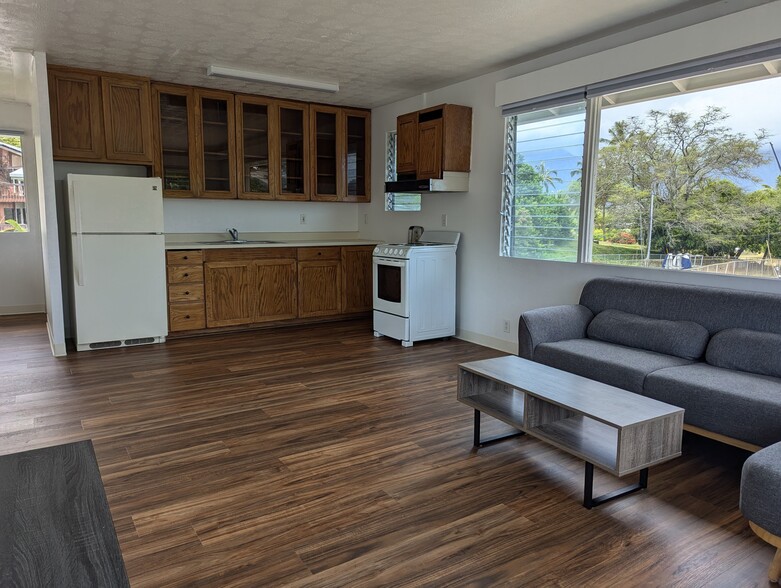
x=26, y=309
x=486, y=341
x=58, y=349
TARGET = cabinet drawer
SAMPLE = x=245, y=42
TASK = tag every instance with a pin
x=187, y=316
x=313, y=253
x=185, y=292
x=184, y=257
x=179, y=274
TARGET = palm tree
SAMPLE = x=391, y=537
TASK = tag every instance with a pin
x=547, y=177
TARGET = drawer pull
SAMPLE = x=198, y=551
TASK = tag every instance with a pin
x=187, y=316
x=186, y=275
x=185, y=257
x=186, y=292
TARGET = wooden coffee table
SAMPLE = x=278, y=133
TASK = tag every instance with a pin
x=613, y=429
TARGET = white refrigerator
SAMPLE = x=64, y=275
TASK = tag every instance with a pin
x=117, y=255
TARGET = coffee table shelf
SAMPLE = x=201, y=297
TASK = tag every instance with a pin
x=613, y=429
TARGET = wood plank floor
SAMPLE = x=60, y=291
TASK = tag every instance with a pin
x=321, y=456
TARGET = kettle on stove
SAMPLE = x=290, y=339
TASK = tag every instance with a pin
x=414, y=233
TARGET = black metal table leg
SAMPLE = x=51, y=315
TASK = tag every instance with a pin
x=588, y=488
x=479, y=443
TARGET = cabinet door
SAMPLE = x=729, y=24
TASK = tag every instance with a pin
x=357, y=278
x=327, y=152
x=293, y=148
x=174, y=139
x=276, y=288
x=319, y=288
x=217, y=141
x=407, y=143
x=357, y=160
x=253, y=118
x=430, y=149
x=77, y=130
x=229, y=299
x=127, y=119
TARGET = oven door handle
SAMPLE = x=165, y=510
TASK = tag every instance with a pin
x=393, y=262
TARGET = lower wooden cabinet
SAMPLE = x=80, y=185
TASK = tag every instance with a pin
x=228, y=293
x=357, y=278
x=319, y=287
x=276, y=286
x=232, y=287
x=185, y=291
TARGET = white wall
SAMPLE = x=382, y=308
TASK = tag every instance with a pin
x=492, y=289
x=257, y=216
x=21, y=264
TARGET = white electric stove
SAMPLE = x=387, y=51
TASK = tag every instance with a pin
x=415, y=288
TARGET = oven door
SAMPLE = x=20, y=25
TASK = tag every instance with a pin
x=391, y=286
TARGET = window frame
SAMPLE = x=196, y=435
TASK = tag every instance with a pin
x=594, y=96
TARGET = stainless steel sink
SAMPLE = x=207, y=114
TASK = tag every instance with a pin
x=239, y=242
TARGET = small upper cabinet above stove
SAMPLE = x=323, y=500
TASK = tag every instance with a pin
x=434, y=144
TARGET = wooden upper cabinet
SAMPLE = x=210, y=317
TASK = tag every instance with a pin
x=327, y=148
x=292, y=172
x=340, y=148
x=216, y=125
x=357, y=156
x=407, y=143
x=175, y=142
x=357, y=278
x=432, y=141
x=77, y=129
x=430, y=149
x=254, y=147
x=127, y=119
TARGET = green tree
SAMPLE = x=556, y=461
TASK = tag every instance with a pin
x=11, y=140
x=678, y=162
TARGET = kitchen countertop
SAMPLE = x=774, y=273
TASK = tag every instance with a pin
x=181, y=241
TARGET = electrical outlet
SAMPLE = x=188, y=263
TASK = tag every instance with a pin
x=366, y=218
x=302, y=219
x=506, y=326
x=444, y=220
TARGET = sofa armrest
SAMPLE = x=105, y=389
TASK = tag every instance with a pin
x=554, y=323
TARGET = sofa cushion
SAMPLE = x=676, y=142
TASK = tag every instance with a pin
x=739, y=405
x=760, y=500
x=745, y=350
x=623, y=367
x=680, y=338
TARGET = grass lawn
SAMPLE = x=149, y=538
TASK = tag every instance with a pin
x=614, y=249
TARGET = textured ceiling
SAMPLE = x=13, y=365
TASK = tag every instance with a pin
x=379, y=51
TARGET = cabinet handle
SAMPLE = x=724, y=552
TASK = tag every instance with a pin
x=185, y=257
x=186, y=275
x=186, y=292
x=187, y=316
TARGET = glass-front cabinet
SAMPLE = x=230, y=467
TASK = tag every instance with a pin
x=341, y=154
x=292, y=165
x=175, y=157
x=254, y=146
x=326, y=147
x=356, y=160
x=216, y=120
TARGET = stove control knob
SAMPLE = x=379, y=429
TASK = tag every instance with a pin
x=385, y=250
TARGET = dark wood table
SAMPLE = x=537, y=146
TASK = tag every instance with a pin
x=55, y=524
x=613, y=429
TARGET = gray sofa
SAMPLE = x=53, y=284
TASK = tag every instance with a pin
x=714, y=352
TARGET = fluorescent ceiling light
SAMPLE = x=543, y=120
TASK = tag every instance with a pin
x=259, y=76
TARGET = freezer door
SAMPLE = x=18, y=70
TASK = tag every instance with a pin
x=111, y=204
x=119, y=287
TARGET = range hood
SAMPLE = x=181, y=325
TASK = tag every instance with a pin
x=450, y=182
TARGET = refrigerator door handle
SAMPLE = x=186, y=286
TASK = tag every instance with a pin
x=78, y=259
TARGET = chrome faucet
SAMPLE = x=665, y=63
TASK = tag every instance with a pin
x=234, y=234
